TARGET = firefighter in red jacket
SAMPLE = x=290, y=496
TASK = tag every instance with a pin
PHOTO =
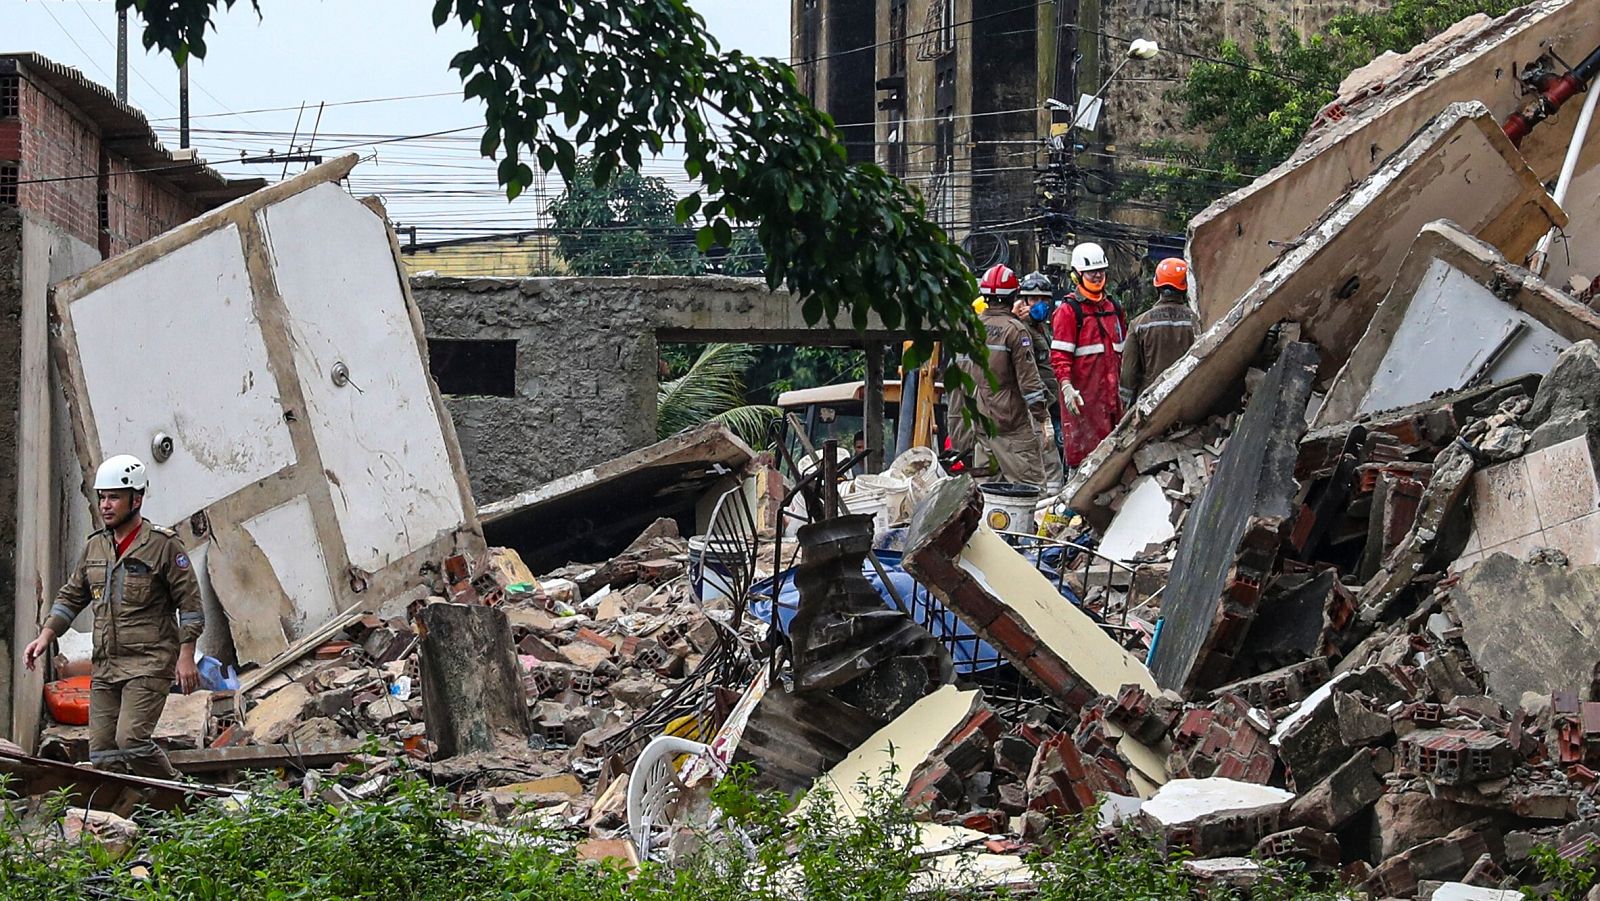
x=1088, y=332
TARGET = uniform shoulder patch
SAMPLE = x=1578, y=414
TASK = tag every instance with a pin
x=182, y=560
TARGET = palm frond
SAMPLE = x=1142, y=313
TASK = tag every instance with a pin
x=751, y=423
x=713, y=385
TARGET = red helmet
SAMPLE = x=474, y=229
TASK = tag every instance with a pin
x=999, y=281
x=1173, y=273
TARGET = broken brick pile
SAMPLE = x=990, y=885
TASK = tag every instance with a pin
x=1360, y=732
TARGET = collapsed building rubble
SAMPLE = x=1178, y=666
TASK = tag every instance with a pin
x=1324, y=596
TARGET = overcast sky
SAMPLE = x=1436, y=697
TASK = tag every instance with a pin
x=247, y=92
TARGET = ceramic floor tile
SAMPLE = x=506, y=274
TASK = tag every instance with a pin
x=1579, y=539
x=1502, y=504
x=1562, y=482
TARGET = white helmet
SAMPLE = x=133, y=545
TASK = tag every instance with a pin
x=121, y=471
x=1087, y=257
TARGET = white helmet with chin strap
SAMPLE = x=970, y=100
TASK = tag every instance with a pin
x=1088, y=257
x=121, y=471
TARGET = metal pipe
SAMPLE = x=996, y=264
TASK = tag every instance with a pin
x=1553, y=93
x=1569, y=166
x=905, y=425
x=122, y=56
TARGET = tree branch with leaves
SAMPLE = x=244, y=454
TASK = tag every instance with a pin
x=615, y=81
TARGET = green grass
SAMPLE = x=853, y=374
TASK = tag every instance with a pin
x=410, y=846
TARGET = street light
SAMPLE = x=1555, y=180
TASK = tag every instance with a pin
x=1087, y=113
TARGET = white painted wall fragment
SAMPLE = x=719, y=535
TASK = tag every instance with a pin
x=378, y=432
x=1187, y=800
x=1145, y=519
x=287, y=535
x=175, y=347
x=304, y=494
x=1452, y=329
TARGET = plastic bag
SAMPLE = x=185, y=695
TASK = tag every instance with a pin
x=212, y=678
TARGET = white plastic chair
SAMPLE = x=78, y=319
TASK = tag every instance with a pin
x=654, y=786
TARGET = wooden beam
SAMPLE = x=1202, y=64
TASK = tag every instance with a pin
x=872, y=426
x=300, y=648
x=264, y=757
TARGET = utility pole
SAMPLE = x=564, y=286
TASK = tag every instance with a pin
x=122, y=56
x=1058, y=183
x=183, y=104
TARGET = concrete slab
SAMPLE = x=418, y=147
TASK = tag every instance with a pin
x=1242, y=234
x=276, y=716
x=1547, y=498
x=185, y=721
x=1145, y=519
x=307, y=455
x=609, y=504
x=1011, y=605
x=1458, y=313
x=1460, y=891
x=1230, y=542
x=1459, y=166
x=902, y=746
x=1530, y=627
x=1214, y=816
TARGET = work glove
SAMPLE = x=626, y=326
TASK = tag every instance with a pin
x=1071, y=400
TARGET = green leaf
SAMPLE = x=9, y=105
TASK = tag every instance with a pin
x=687, y=207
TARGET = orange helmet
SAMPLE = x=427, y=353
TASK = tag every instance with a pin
x=1173, y=273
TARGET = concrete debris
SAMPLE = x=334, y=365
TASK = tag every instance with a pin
x=1331, y=277
x=1531, y=627
x=1230, y=546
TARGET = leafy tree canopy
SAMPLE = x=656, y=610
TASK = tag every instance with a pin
x=618, y=80
x=624, y=227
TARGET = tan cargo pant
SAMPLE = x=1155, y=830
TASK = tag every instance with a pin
x=1017, y=455
x=1055, y=473
x=122, y=719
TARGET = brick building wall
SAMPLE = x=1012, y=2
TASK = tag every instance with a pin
x=94, y=194
x=138, y=207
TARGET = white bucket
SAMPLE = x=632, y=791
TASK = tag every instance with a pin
x=886, y=498
x=709, y=566
x=873, y=502
x=1008, y=506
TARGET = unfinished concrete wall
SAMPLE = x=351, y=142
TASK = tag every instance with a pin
x=44, y=516
x=10, y=349
x=584, y=367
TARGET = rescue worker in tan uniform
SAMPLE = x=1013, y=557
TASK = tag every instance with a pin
x=1018, y=402
x=1162, y=334
x=1034, y=304
x=147, y=618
